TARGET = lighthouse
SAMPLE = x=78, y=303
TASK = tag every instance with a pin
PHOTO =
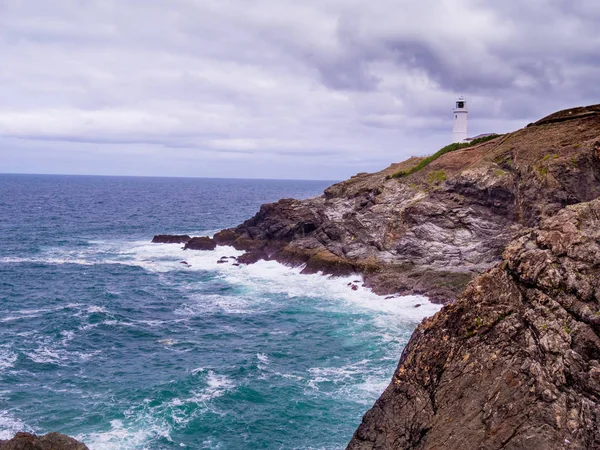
x=459, y=131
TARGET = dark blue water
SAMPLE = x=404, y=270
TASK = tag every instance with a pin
x=111, y=339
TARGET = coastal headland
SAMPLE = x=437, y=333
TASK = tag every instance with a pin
x=416, y=228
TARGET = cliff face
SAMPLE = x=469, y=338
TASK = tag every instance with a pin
x=514, y=363
x=432, y=231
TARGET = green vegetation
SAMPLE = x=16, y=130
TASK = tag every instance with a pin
x=543, y=170
x=436, y=177
x=478, y=322
x=567, y=329
x=547, y=157
x=501, y=317
x=447, y=149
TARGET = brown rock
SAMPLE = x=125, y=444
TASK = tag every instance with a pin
x=251, y=257
x=50, y=441
x=515, y=362
x=200, y=243
x=170, y=239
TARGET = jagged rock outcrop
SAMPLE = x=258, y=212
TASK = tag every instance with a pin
x=432, y=231
x=170, y=239
x=50, y=441
x=514, y=363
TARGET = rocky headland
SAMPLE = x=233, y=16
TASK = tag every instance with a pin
x=432, y=230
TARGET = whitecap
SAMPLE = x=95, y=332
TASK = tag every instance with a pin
x=7, y=358
x=121, y=437
x=67, y=335
x=10, y=425
x=44, y=355
x=217, y=385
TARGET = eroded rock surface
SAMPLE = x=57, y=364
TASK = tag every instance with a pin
x=514, y=363
x=50, y=441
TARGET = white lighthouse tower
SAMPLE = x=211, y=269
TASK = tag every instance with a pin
x=459, y=131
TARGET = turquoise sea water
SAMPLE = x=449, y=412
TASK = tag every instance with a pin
x=111, y=339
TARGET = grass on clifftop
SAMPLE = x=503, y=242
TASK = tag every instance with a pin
x=447, y=149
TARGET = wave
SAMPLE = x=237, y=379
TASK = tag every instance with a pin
x=123, y=437
x=7, y=358
x=144, y=425
x=359, y=382
x=268, y=278
x=9, y=425
x=264, y=277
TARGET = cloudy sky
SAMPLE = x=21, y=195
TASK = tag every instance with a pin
x=315, y=89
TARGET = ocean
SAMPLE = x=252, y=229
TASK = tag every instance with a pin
x=112, y=340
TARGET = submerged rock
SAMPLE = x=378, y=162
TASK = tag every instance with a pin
x=514, y=363
x=50, y=441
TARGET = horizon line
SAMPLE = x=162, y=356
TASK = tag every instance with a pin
x=164, y=176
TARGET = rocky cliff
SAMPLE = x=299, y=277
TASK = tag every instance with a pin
x=514, y=363
x=433, y=230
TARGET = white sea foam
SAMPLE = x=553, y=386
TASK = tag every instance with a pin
x=67, y=336
x=217, y=385
x=121, y=437
x=264, y=277
x=355, y=381
x=49, y=352
x=47, y=260
x=28, y=314
x=270, y=277
x=7, y=358
x=262, y=358
x=143, y=424
x=45, y=355
x=9, y=425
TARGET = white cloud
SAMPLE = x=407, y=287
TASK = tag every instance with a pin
x=278, y=87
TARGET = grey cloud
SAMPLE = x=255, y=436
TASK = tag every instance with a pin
x=342, y=84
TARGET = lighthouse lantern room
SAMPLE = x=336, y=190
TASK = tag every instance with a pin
x=459, y=131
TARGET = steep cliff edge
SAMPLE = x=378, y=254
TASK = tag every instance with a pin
x=432, y=231
x=514, y=363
